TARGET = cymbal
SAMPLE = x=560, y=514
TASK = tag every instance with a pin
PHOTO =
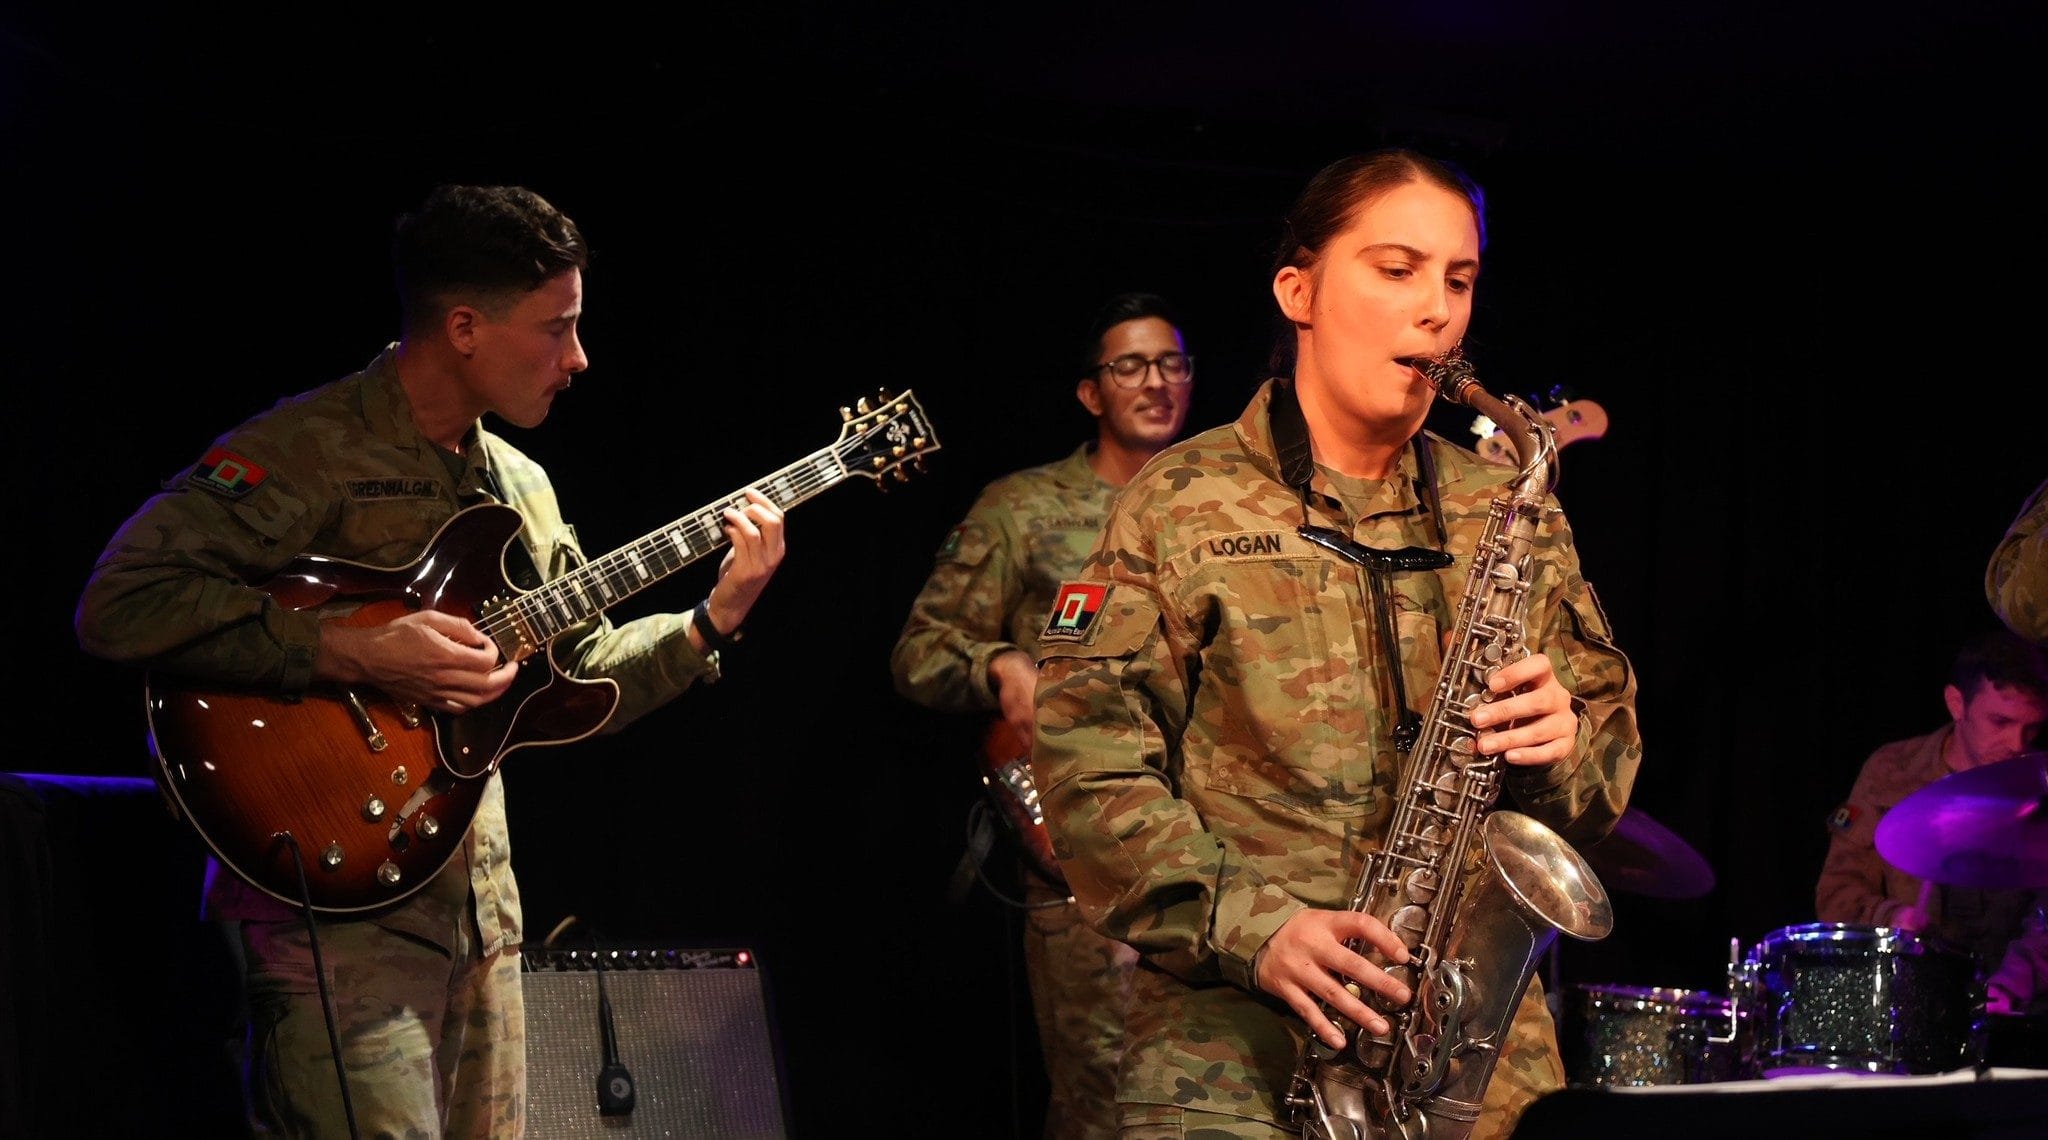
x=1986, y=828
x=1643, y=857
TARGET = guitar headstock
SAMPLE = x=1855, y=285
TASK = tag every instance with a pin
x=1572, y=421
x=885, y=436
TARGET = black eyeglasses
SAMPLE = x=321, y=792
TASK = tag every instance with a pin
x=1130, y=369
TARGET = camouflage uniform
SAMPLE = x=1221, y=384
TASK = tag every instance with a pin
x=1214, y=741
x=2016, y=580
x=344, y=472
x=1857, y=885
x=988, y=592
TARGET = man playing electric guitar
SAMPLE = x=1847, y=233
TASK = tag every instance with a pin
x=424, y=994
x=969, y=645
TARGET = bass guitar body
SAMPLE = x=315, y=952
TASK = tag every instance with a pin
x=1005, y=764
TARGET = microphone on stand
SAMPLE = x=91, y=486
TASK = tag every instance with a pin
x=614, y=1083
x=615, y=1092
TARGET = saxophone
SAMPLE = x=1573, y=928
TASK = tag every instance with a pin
x=1476, y=895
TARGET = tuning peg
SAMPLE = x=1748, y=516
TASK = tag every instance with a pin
x=879, y=462
x=917, y=442
x=862, y=405
x=845, y=413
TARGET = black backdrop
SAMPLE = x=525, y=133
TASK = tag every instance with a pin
x=1788, y=255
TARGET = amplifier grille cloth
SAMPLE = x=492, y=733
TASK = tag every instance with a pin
x=697, y=1042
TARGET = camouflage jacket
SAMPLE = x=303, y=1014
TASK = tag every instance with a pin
x=1214, y=723
x=2016, y=580
x=993, y=578
x=343, y=471
x=1857, y=885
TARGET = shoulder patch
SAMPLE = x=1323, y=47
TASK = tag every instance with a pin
x=1842, y=818
x=225, y=473
x=951, y=546
x=1073, y=612
x=968, y=544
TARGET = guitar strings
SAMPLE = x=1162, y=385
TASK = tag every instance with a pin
x=617, y=575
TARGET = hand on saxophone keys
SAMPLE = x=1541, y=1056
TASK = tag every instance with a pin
x=1309, y=964
x=1530, y=719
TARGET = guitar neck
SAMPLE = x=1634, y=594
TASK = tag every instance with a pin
x=596, y=586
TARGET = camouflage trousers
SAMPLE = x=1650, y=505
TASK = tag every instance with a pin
x=433, y=1042
x=1529, y=1066
x=1079, y=983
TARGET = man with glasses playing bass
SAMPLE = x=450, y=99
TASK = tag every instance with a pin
x=970, y=644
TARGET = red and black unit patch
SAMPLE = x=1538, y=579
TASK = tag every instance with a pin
x=1073, y=612
x=225, y=473
x=1842, y=818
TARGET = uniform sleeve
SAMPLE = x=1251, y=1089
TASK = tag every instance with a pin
x=2016, y=580
x=956, y=623
x=1583, y=798
x=1851, y=886
x=1111, y=711
x=2022, y=973
x=174, y=588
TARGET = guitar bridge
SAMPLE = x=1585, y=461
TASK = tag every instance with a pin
x=515, y=639
x=1016, y=776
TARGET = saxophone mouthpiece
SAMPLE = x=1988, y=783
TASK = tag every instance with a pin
x=1447, y=373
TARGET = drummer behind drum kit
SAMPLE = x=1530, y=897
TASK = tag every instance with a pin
x=1824, y=997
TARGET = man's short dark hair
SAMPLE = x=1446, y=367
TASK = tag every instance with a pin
x=2003, y=658
x=482, y=245
x=1115, y=311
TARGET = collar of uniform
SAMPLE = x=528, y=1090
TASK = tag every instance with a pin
x=476, y=477
x=1286, y=435
x=1075, y=470
x=386, y=411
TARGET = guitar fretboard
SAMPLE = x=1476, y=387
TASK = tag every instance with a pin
x=595, y=586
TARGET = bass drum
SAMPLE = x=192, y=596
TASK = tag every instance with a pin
x=1633, y=1035
x=1837, y=997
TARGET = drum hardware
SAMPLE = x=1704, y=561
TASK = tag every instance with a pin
x=1735, y=1042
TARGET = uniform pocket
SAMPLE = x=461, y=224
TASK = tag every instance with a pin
x=1282, y=680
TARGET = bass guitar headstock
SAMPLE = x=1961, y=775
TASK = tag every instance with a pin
x=1572, y=420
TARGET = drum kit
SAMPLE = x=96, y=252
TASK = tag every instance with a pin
x=1823, y=998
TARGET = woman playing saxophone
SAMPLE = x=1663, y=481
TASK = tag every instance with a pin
x=1228, y=691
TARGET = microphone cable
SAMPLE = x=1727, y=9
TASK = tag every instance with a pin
x=348, y=1106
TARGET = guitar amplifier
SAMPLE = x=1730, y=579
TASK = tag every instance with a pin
x=691, y=1027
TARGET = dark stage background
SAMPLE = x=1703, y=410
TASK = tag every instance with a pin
x=1788, y=254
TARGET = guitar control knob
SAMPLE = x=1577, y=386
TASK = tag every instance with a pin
x=373, y=808
x=331, y=858
x=389, y=874
x=428, y=827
